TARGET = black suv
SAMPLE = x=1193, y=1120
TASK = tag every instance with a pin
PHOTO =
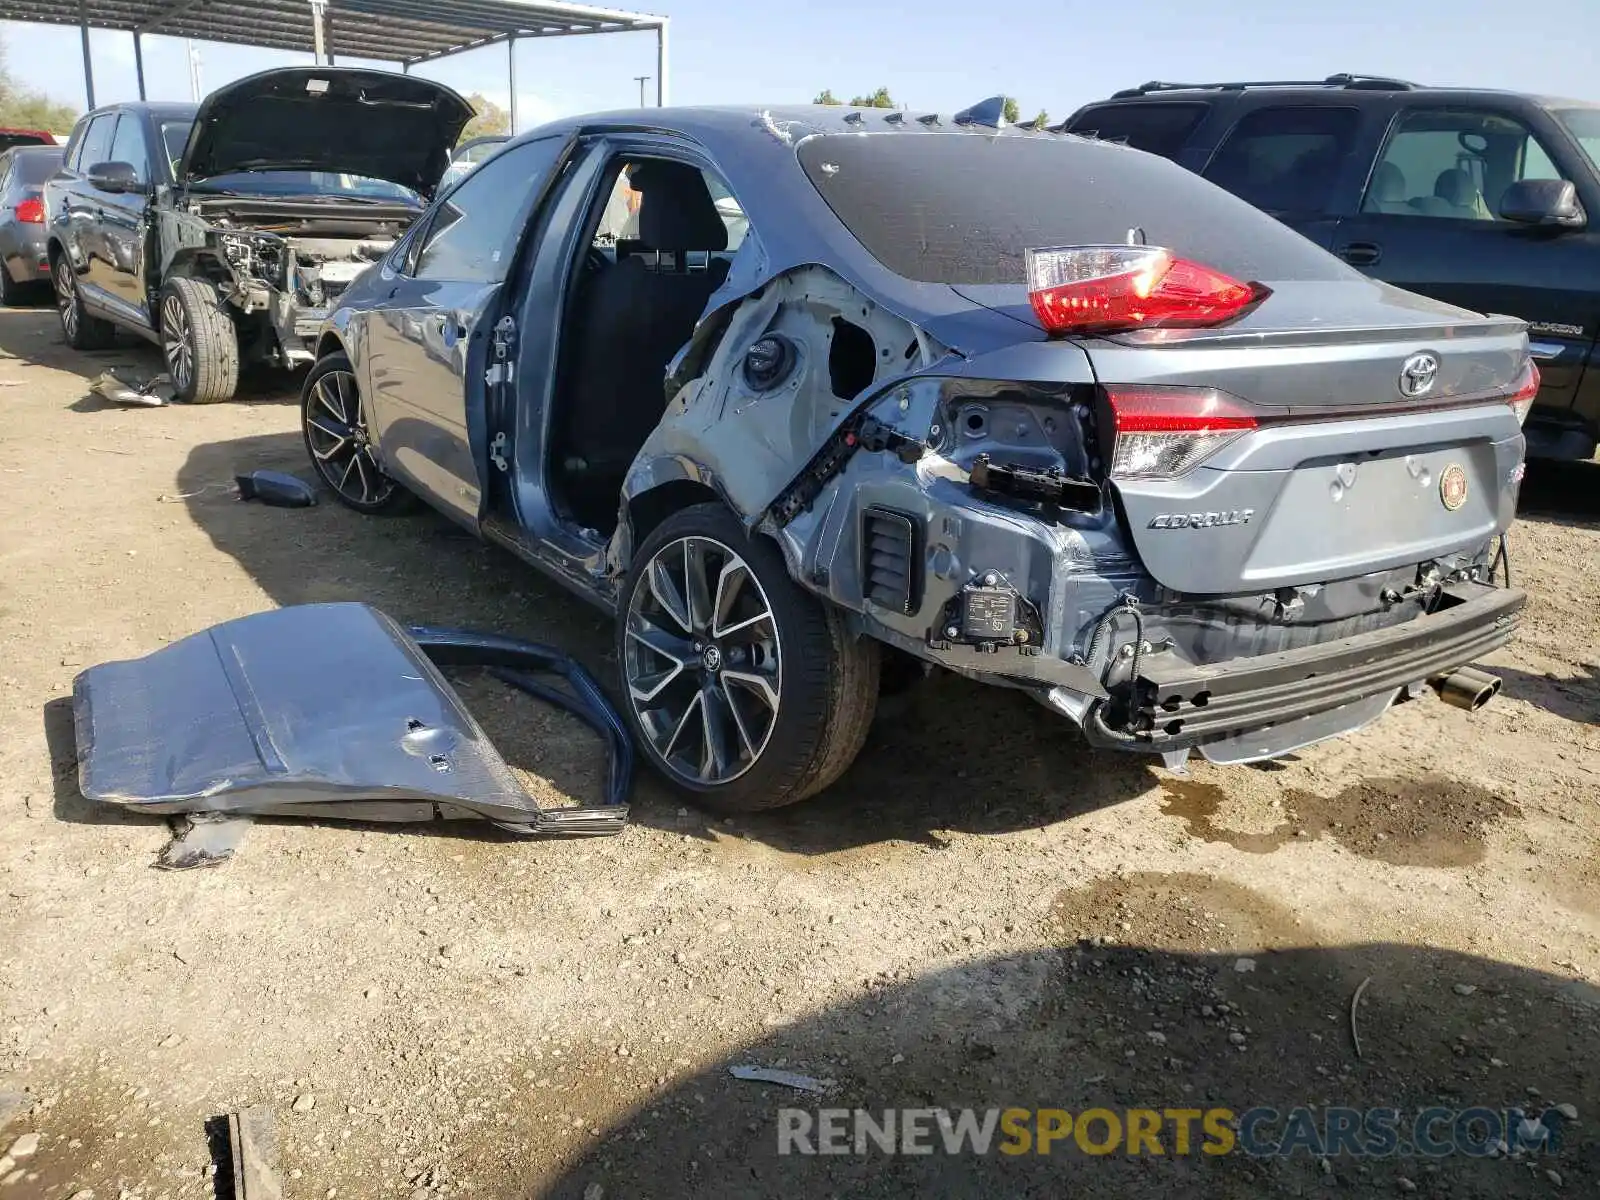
x=1479, y=198
x=225, y=232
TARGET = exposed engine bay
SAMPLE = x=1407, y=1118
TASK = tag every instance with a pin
x=294, y=265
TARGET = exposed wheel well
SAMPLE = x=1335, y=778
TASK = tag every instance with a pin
x=648, y=509
x=330, y=344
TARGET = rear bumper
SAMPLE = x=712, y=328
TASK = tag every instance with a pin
x=1179, y=705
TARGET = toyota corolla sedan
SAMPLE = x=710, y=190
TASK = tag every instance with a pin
x=835, y=393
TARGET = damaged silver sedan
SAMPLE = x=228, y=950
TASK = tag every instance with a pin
x=811, y=399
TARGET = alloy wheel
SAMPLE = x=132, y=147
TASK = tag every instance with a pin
x=67, y=297
x=177, y=341
x=341, y=447
x=702, y=661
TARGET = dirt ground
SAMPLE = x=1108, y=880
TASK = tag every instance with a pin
x=982, y=913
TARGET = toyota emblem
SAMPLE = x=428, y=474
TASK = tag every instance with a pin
x=1418, y=374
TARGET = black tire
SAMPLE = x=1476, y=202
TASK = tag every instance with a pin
x=199, y=341
x=12, y=293
x=81, y=331
x=827, y=678
x=355, y=479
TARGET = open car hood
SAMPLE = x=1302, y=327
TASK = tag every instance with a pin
x=373, y=123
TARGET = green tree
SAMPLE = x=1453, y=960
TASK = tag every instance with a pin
x=878, y=99
x=1011, y=112
x=490, y=118
x=826, y=96
x=1042, y=119
x=27, y=108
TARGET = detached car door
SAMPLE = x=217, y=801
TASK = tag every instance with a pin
x=429, y=345
x=1429, y=222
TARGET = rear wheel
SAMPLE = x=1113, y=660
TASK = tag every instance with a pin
x=333, y=418
x=82, y=331
x=744, y=690
x=12, y=293
x=200, y=342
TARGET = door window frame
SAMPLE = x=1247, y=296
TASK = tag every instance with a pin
x=410, y=249
x=1554, y=150
x=146, y=168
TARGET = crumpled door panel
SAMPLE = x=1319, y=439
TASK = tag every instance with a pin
x=314, y=710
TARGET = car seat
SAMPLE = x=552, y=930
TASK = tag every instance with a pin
x=627, y=323
x=1454, y=195
x=1387, y=194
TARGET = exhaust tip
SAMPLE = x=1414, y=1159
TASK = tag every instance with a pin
x=1467, y=688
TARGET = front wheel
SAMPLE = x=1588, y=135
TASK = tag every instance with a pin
x=333, y=418
x=199, y=340
x=743, y=689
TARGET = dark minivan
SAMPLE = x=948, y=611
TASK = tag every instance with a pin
x=1480, y=198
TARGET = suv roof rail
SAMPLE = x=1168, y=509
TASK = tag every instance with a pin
x=1344, y=79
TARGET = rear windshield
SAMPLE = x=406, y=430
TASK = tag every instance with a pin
x=1161, y=128
x=34, y=169
x=962, y=208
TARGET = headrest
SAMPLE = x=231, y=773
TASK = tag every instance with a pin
x=1388, y=184
x=676, y=211
x=1455, y=187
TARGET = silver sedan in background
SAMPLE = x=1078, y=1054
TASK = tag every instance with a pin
x=23, y=170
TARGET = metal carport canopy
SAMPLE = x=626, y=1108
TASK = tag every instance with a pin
x=408, y=32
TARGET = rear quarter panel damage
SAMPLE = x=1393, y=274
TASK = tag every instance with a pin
x=749, y=445
x=853, y=355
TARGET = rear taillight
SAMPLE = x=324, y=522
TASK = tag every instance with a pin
x=1104, y=289
x=1527, y=388
x=1162, y=433
x=31, y=211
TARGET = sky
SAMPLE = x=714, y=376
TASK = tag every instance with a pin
x=936, y=54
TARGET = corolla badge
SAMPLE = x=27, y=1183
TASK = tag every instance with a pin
x=1418, y=374
x=1205, y=520
x=1453, y=487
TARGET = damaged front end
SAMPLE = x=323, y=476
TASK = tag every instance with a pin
x=327, y=711
x=282, y=281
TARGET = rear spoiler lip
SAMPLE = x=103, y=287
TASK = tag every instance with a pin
x=1491, y=326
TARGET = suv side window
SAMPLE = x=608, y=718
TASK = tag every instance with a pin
x=1161, y=128
x=473, y=230
x=1286, y=158
x=1454, y=163
x=96, y=146
x=128, y=145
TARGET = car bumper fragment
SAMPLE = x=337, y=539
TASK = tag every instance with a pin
x=1179, y=704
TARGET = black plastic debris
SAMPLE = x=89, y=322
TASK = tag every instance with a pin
x=324, y=711
x=276, y=488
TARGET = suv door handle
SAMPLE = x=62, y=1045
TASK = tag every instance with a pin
x=1361, y=254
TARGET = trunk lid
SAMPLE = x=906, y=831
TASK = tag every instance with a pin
x=1347, y=473
x=397, y=128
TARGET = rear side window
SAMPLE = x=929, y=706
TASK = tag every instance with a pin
x=474, y=229
x=1158, y=128
x=962, y=208
x=1285, y=159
